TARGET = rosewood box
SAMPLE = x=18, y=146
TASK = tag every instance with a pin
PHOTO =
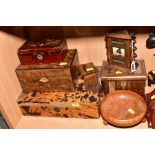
x=50, y=77
x=123, y=79
x=42, y=52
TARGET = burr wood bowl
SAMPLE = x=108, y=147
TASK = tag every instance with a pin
x=123, y=108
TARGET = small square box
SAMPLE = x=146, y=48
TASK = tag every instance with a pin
x=121, y=80
x=88, y=73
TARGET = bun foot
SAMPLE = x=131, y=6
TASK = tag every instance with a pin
x=144, y=120
x=105, y=122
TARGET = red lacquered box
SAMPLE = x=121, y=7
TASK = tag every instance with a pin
x=42, y=52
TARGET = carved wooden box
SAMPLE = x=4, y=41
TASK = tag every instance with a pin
x=124, y=80
x=50, y=77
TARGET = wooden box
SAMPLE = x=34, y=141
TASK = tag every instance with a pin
x=60, y=104
x=42, y=52
x=121, y=80
x=88, y=72
x=50, y=77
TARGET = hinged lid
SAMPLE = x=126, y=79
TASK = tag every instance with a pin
x=47, y=46
x=139, y=74
x=65, y=63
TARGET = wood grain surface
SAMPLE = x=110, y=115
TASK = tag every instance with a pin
x=50, y=77
x=123, y=108
x=60, y=104
x=89, y=49
x=125, y=80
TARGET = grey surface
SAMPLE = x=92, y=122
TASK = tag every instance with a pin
x=3, y=124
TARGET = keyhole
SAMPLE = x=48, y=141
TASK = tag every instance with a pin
x=39, y=57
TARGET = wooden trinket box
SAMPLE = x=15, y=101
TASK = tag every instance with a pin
x=50, y=77
x=42, y=52
x=88, y=73
x=60, y=104
x=124, y=80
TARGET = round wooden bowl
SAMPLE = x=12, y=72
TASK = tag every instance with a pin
x=123, y=108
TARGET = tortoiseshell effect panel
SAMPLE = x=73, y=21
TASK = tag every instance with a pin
x=60, y=104
x=82, y=103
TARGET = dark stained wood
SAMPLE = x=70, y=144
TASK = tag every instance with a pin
x=14, y=30
x=123, y=108
x=50, y=77
x=124, y=81
x=40, y=32
x=150, y=100
x=105, y=85
x=43, y=32
x=43, y=51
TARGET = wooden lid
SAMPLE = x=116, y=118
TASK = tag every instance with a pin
x=123, y=108
x=139, y=74
x=66, y=62
x=83, y=69
x=46, y=46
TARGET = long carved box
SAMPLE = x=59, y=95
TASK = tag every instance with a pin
x=123, y=80
x=50, y=77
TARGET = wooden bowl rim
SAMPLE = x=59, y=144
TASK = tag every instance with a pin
x=123, y=123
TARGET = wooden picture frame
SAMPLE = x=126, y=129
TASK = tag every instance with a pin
x=119, y=49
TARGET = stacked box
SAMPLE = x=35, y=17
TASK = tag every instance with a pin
x=50, y=77
x=88, y=72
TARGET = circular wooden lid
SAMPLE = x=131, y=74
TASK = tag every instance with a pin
x=123, y=108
